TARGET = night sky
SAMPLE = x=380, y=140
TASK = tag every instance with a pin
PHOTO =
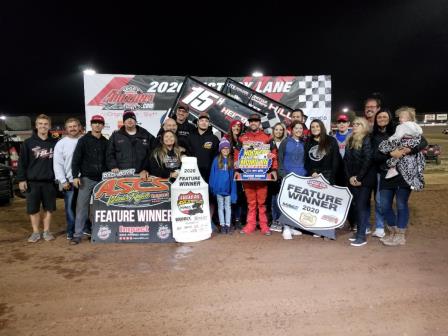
x=397, y=48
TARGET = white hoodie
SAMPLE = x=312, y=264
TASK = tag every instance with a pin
x=62, y=159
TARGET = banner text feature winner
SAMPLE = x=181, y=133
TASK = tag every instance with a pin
x=254, y=160
x=127, y=209
x=152, y=96
x=312, y=204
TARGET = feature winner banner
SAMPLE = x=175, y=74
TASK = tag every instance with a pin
x=152, y=96
x=221, y=108
x=312, y=204
x=127, y=209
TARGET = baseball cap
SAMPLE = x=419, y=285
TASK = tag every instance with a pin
x=129, y=114
x=203, y=115
x=182, y=107
x=343, y=117
x=254, y=117
x=97, y=118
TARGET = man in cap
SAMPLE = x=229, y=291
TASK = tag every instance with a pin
x=184, y=126
x=203, y=144
x=372, y=105
x=62, y=165
x=88, y=165
x=341, y=135
x=129, y=146
x=256, y=191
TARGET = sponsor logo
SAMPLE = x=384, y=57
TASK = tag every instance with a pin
x=317, y=184
x=331, y=219
x=163, y=232
x=208, y=145
x=43, y=153
x=128, y=97
x=307, y=219
x=190, y=203
x=104, y=232
x=315, y=155
x=132, y=191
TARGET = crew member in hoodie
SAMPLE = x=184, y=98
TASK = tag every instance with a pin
x=36, y=177
x=203, y=145
x=129, y=146
x=88, y=165
x=62, y=165
x=184, y=127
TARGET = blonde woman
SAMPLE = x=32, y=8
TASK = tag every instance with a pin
x=361, y=175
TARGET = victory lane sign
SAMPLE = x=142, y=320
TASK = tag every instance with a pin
x=127, y=209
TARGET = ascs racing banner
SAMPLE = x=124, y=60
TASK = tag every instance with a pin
x=312, y=204
x=152, y=96
x=127, y=209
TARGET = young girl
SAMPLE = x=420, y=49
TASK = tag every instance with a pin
x=222, y=184
x=278, y=134
x=238, y=209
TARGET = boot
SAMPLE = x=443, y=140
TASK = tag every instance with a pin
x=390, y=233
x=398, y=239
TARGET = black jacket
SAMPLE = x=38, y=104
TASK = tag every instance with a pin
x=89, y=158
x=327, y=164
x=184, y=131
x=125, y=151
x=36, y=159
x=163, y=169
x=204, y=147
x=359, y=163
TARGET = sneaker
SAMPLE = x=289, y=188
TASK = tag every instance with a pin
x=358, y=242
x=379, y=233
x=287, y=233
x=392, y=172
x=75, y=241
x=267, y=233
x=69, y=237
x=238, y=224
x=316, y=236
x=48, y=236
x=352, y=238
x=295, y=232
x=35, y=236
x=87, y=233
x=275, y=226
x=368, y=231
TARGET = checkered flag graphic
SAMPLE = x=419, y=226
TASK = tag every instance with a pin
x=268, y=121
x=314, y=92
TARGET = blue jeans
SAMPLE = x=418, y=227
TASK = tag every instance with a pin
x=275, y=211
x=401, y=218
x=83, y=204
x=361, y=204
x=224, y=210
x=69, y=211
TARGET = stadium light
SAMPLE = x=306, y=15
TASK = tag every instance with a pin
x=345, y=109
x=3, y=117
x=257, y=74
x=89, y=72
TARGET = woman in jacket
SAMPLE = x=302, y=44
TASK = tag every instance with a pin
x=321, y=153
x=165, y=160
x=395, y=187
x=360, y=174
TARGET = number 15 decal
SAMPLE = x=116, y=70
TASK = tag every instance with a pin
x=200, y=99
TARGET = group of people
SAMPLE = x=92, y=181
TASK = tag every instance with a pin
x=373, y=157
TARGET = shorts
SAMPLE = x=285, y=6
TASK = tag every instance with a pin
x=40, y=192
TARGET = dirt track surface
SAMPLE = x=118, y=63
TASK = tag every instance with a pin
x=229, y=285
